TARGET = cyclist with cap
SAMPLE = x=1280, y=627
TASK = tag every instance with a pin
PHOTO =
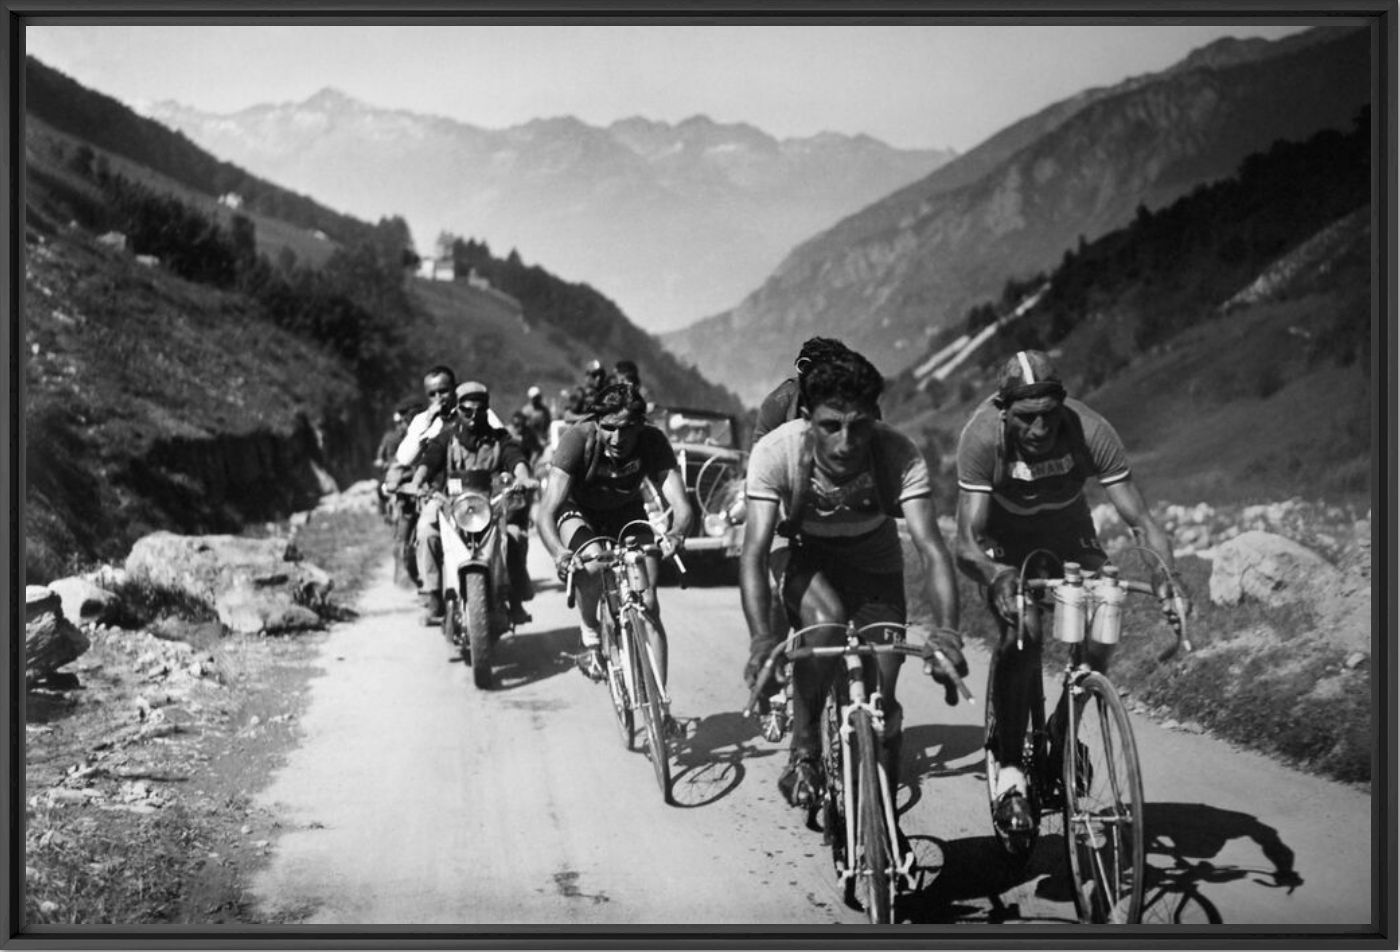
x=595, y=487
x=469, y=441
x=1023, y=460
x=837, y=478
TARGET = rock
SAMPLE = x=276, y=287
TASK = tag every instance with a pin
x=50, y=639
x=83, y=601
x=1356, y=659
x=110, y=577
x=1268, y=568
x=254, y=585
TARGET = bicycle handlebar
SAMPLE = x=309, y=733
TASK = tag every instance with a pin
x=788, y=647
x=1173, y=608
x=609, y=556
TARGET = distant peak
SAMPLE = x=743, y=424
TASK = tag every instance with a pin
x=330, y=98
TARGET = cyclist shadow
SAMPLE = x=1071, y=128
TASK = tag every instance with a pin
x=1181, y=839
x=958, y=878
x=710, y=760
x=528, y=657
x=931, y=750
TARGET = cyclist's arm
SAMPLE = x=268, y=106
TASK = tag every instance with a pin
x=755, y=590
x=556, y=490
x=673, y=489
x=1127, y=499
x=973, y=512
x=921, y=518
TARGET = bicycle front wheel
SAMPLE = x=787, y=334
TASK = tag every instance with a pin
x=874, y=874
x=641, y=629
x=619, y=668
x=1103, y=805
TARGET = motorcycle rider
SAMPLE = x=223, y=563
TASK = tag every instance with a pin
x=537, y=415
x=467, y=442
x=595, y=487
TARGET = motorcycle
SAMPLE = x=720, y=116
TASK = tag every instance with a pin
x=475, y=581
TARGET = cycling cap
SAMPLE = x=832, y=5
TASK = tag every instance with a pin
x=533, y=392
x=1028, y=375
x=475, y=390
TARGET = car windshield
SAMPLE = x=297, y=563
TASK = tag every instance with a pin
x=690, y=427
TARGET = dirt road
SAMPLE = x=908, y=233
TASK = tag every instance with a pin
x=415, y=798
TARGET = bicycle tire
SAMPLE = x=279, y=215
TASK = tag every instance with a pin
x=1103, y=806
x=649, y=700
x=618, y=658
x=1017, y=848
x=873, y=870
x=476, y=646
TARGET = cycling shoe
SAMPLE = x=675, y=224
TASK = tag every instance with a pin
x=1013, y=813
x=801, y=780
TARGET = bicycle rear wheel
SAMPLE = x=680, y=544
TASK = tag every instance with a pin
x=639, y=627
x=1103, y=805
x=874, y=873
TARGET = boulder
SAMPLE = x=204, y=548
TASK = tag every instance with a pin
x=1270, y=569
x=255, y=585
x=50, y=639
x=84, y=601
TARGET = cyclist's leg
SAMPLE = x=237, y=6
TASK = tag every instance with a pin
x=576, y=529
x=810, y=599
x=429, y=554
x=1016, y=670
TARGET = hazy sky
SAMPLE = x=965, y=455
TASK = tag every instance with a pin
x=908, y=85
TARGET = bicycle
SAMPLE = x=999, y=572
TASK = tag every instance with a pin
x=871, y=860
x=629, y=630
x=1096, y=778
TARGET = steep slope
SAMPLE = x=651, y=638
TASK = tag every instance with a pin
x=889, y=277
x=1227, y=336
x=671, y=221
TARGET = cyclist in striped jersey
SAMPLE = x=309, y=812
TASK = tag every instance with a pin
x=1023, y=460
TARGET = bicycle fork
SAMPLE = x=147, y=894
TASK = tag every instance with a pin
x=847, y=871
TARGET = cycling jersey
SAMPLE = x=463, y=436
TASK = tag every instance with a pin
x=604, y=483
x=1040, y=503
x=853, y=516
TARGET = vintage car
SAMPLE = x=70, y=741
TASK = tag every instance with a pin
x=707, y=446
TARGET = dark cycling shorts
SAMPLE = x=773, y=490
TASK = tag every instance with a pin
x=867, y=596
x=578, y=526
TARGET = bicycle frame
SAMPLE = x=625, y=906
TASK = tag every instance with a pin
x=856, y=698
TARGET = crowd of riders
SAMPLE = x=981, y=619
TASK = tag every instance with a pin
x=826, y=481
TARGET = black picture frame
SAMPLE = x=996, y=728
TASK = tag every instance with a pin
x=1381, y=15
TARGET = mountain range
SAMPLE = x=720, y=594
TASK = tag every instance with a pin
x=892, y=276
x=672, y=222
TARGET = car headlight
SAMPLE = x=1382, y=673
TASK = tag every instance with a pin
x=471, y=512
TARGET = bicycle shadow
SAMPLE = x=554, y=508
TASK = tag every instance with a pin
x=967, y=880
x=711, y=758
x=930, y=750
x=1181, y=839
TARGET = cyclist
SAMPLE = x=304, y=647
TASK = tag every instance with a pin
x=467, y=444
x=1023, y=460
x=840, y=476
x=595, y=487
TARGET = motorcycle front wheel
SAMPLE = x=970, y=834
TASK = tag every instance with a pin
x=476, y=615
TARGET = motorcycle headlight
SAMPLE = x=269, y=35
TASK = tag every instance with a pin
x=716, y=524
x=471, y=512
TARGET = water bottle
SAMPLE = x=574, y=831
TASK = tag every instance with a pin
x=637, y=573
x=1108, y=616
x=1069, y=606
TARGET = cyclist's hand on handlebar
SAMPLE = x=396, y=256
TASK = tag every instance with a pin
x=670, y=544
x=1173, y=595
x=759, y=650
x=563, y=562
x=949, y=645
x=1004, y=594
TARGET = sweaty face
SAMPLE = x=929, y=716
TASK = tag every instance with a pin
x=619, y=433
x=1034, y=425
x=843, y=434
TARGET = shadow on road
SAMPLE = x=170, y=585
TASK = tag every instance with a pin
x=959, y=877
x=711, y=758
x=527, y=657
x=1182, y=838
x=929, y=749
